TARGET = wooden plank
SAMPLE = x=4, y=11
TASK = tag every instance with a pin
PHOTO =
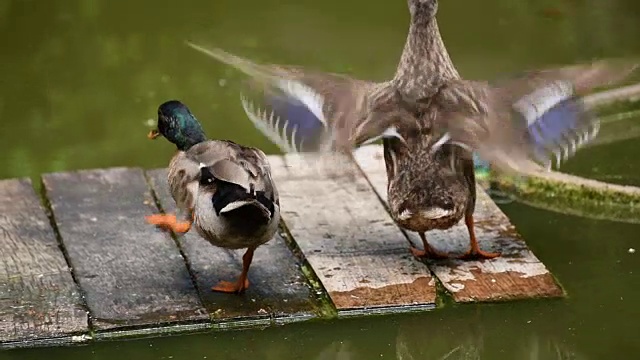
x=38, y=297
x=352, y=244
x=278, y=289
x=130, y=273
x=517, y=274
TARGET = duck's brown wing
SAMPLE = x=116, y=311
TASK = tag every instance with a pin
x=307, y=111
x=184, y=170
x=523, y=123
x=232, y=163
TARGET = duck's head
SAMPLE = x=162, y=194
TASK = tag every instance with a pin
x=178, y=125
x=423, y=9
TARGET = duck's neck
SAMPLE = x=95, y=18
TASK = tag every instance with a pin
x=188, y=141
x=188, y=135
x=425, y=63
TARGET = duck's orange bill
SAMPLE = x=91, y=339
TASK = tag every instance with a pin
x=153, y=134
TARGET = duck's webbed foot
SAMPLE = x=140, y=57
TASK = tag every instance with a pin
x=428, y=252
x=243, y=282
x=231, y=287
x=169, y=222
x=475, y=253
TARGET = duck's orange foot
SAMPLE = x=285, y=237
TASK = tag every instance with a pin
x=231, y=287
x=477, y=254
x=168, y=222
x=428, y=253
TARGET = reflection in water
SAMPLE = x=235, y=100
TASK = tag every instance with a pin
x=337, y=350
x=551, y=349
x=470, y=348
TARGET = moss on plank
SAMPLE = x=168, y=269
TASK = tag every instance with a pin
x=575, y=195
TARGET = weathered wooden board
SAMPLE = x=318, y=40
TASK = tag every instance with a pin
x=278, y=289
x=130, y=273
x=352, y=244
x=517, y=274
x=38, y=298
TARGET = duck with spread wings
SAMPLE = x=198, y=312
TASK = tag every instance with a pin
x=431, y=122
x=518, y=125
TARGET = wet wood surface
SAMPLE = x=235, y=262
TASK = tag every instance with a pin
x=278, y=289
x=38, y=298
x=130, y=273
x=135, y=280
x=517, y=274
x=359, y=255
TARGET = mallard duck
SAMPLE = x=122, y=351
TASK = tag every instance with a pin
x=517, y=125
x=430, y=121
x=223, y=189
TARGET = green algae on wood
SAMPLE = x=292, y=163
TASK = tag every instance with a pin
x=575, y=195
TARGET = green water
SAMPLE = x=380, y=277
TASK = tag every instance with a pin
x=80, y=78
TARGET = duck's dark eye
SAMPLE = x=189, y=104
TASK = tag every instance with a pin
x=206, y=177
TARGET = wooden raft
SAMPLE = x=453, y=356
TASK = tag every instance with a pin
x=89, y=267
x=517, y=274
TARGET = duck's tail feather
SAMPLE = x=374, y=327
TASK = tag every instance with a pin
x=230, y=197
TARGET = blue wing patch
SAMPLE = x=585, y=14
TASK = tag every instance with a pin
x=558, y=123
x=291, y=117
x=300, y=117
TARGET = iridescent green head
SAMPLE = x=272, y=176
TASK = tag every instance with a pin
x=178, y=125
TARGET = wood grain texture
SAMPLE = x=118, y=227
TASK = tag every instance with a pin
x=278, y=288
x=130, y=273
x=517, y=274
x=38, y=297
x=352, y=244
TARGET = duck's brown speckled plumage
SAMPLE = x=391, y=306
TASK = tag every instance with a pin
x=420, y=181
x=474, y=114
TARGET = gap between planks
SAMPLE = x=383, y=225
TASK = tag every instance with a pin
x=135, y=276
x=278, y=289
x=517, y=274
x=38, y=297
x=359, y=255
x=355, y=249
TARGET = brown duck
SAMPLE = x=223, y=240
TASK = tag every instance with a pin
x=518, y=125
x=223, y=189
x=430, y=121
